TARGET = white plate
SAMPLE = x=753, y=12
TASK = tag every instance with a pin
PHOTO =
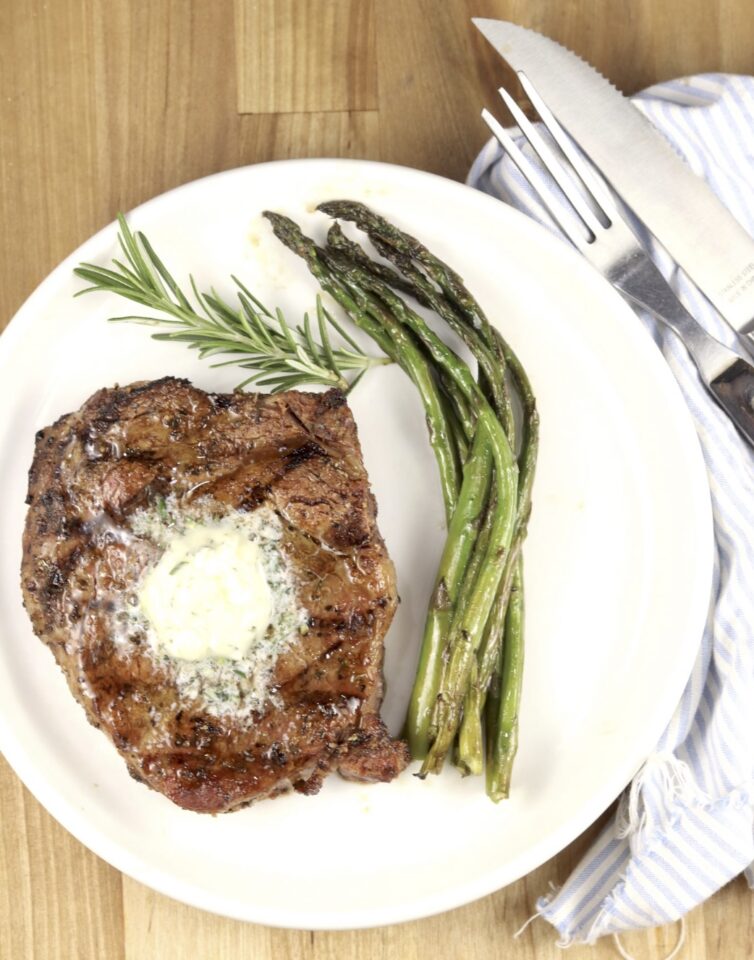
x=618, y=561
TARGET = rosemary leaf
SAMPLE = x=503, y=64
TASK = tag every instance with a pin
x=255, y=338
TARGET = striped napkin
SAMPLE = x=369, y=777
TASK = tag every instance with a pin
x=684, y=827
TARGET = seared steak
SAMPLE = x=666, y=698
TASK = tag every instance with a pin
x=166, y=448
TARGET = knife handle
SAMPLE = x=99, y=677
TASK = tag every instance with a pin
x=637, y=277
x=734, y=389
x=726, y=374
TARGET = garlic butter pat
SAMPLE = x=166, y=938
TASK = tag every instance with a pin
x=208, y=595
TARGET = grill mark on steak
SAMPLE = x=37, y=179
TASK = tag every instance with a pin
x=297, y=453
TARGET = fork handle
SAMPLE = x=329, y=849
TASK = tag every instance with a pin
x=639, y=279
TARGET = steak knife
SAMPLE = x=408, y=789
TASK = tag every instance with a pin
x=677, y=206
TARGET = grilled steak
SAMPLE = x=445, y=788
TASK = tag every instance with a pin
x=167, y=449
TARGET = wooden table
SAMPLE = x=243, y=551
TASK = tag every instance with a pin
x=105, y=103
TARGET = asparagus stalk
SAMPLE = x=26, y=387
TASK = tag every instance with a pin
x=468, y=624
x=411, y=280
x=489, y=653
x=399, y=248
x=502, y=742
x=486, y=662
x=357, y=279
x=468, y=756
x=469, y=620
x=376, y=226
x=501, y=750
x=462, y=533
x=470, y=747
x=392, y=340
x=494, y=636
x=337, y=241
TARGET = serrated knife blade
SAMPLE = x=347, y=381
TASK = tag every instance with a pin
x=676, y=205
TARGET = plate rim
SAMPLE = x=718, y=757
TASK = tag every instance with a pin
x=430, y=904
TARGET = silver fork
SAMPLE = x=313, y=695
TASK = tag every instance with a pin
x=605, y=239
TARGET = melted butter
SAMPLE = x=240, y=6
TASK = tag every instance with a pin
x=222, y=685
x=208, y=595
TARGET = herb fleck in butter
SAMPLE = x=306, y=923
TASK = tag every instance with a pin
x=208, y=595
x=219, y=606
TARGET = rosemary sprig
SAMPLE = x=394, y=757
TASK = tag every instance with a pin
x=282, y=357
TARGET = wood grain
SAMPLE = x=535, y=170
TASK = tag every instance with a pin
x=57, y=900
x=302, y=56
x=105, y=103
x=288, y=136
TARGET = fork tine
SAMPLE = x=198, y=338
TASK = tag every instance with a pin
x=587, y=177
x=551, y=163
x=526, y=169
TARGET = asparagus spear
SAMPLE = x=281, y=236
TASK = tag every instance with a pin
x=470, y=746
x=468, y=755
x=462, y=533
x=488, y=656
x=490, y=651
x=411, y=280
x=338, y=242
x=376, y=226
x=402, y=350
x=469, y=620
x=501, y=750
x=452, y=285
x=502, y=712
x=468, y=624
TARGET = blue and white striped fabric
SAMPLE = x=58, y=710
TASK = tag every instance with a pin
x=685, y=826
